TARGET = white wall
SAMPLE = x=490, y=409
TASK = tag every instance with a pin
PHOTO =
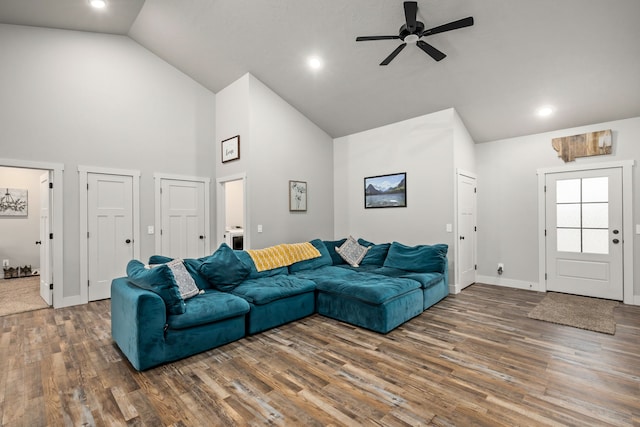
x=19, y=233
x=508, y=198
x=100, y=100
x=278, y=144
x=423, y=148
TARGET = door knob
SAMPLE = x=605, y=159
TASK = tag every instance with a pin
x=128, y=241
x=616, y=241
x=39, y=242
x=461, y=237
x=201, y=237
x=615, y=231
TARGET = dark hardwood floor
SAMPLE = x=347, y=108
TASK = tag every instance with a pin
x=473, y=359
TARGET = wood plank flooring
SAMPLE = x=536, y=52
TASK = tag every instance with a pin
x=473, y=359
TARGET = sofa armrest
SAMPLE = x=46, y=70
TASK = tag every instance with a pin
x=138, y=321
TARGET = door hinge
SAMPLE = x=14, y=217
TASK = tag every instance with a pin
x=87, y=185
x=88, y=282
x=545, y=188
x=475, y=228
x=161, y=231
x=545, y=276
x=475, y=190
x=475, y=267
x=50, y=235
x=545, y=232
x=87, y=234
x=51, y=185
x=50, y=286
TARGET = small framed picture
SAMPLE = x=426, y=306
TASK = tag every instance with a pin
x=297, y=196
x=231, y=149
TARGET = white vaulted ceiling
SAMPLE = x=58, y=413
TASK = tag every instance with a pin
x=581, y=56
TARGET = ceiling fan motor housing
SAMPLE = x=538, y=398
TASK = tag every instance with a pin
x=404, y=31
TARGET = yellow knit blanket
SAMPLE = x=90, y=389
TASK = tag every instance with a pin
x=282, y=255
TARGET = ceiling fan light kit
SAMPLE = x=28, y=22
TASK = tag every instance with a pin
x=413, y=31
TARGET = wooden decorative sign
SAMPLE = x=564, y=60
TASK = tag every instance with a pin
x=584, y=145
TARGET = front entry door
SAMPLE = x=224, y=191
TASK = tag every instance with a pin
x=183, y=218
x=584, y=244
x=110, y=225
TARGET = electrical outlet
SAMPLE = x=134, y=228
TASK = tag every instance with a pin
x=5, y=263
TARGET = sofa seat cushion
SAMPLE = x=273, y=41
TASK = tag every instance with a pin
x=367, y=287
x=268, y=289
x=209, y=307
x=426, y=280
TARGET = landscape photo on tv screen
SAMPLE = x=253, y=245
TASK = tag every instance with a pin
x=386, y=191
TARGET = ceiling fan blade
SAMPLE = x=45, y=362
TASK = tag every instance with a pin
x=367, y=38
x=431, y=51
x=410, y=12
x=460, y=23
x=393, y=54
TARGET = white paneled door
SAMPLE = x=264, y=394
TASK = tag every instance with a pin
x=45, y=242
x=466, y=240
x=182, y=218
x=110, y=230
x=584, y=243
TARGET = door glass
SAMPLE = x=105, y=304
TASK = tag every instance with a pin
x=582, y=215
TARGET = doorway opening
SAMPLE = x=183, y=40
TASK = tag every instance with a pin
x=30, y=217
x=232, y=212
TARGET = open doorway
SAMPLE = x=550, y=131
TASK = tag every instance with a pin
x=25, y=247
x=231, y=212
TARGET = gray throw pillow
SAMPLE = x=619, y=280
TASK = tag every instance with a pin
x=352, y=252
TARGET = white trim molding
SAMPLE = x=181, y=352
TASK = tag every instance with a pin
x=510, y=283
x=627, y=220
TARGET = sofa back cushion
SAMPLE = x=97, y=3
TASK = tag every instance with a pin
x=191, y=264
x=159, y=280
x=223, y=269
x=322, y=260
x=420, y=259
x=331, y=247
x=376, y=253
x=253, y=271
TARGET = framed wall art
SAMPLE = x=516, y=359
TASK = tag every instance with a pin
x=231, y=149
x=386, y=191
x=13, y=202
x=297, y=196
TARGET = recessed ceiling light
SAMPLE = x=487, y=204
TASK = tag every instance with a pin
x=314, y=63
x=545, y=111
x=98, y=4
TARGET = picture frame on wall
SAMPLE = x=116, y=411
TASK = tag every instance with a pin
x=14, y=202
x=297, y=196
x=230, y=149
x=386, y=191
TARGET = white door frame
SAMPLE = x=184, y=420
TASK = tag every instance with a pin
x=627, y=220
x=55, y=212
x=158, y=177
x=221, y=208
x=457, y=287
x=83, y=172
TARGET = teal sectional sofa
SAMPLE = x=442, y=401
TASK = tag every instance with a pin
x=152, y=324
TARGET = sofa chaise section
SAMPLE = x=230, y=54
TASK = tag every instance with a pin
x=149, y=336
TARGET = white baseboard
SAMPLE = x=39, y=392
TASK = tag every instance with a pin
x=509, y=283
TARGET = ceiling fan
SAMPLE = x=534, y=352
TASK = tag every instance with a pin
x=412, y=32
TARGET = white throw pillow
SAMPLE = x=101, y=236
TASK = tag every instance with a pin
x=352, y=252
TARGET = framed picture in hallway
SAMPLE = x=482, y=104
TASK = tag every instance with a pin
x=386, y=191
x=297, y=196
x=13, y=202
x=231, y=149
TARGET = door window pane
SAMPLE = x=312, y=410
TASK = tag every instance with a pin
x=595, y=241
x=568, y=240
x=568, y=215
x=595, y=189
x=595, y=215
x=568, y=191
